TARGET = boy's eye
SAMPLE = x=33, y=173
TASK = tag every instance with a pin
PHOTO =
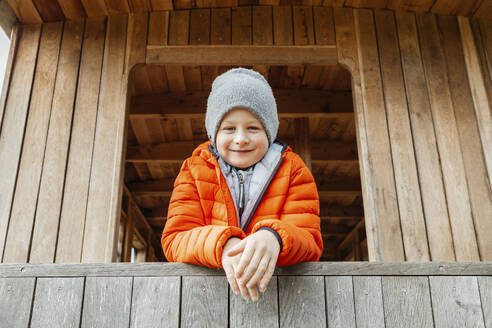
x=254, y=128
x=228, y=128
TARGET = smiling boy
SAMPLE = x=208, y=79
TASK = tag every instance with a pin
x=243, y=201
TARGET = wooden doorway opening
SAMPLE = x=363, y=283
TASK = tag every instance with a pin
x=166, y=122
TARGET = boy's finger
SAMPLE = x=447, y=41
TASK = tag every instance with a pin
x=245, y=259
x=260, y=272
x=236, y=249
x=231, y=278
x=253, y=292
x=252, y=267
x=268, y=275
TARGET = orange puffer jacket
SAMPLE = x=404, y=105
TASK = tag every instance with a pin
x=202, y=214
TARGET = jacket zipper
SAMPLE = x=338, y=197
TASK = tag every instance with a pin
x=258, y=201
x=240, y=203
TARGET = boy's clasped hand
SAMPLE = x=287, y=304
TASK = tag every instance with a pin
x=250, y=262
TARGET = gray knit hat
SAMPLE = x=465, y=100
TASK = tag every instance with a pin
x=241, y=87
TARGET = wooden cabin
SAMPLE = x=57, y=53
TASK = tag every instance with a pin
x=388, y=102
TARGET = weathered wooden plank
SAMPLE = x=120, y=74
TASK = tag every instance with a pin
x=407, y=302
x=57, y=302
x=199, y=27
x=340, y=302
x=72, y=9
x=456, y=302
x=14, y=41
x=51, y=188
x=28, y=180
x=426, y=153
x=301, y=301
x=324, y=25
x=465, y=243
x=482, y=105
x=348, y=56
x=263, y=313
x=262, y=27
x=106, y=172
x=302, y=140
x=303, y=25
x=485, y=285
x=155, y=302
x=158, y=28
x=241, y=29
x=72, y=218
x=282, y=25
x=7, y=19
x=387, y=228
x=204, y=302
x=308, y=268
x=220, y=29
x=107, y=302
x=368, y=302
x=14, y=120
x=403, y=156
x=468, y=128
x=25, y=11
x=16, y=296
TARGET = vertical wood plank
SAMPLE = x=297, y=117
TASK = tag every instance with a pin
x=58, y=302
x=204, y=301
x=456, y=301
x=402, y=149
x=485, y=285
x=28, y=180
x=426, y=153
x=282, y=25
x=447, y=140
x=340, y=302
x=179, y=25
x=99, y=243
x=158, y=28
x=55, y=157
x=241, y=30
x=301, y=301
x=16, y=296
x=302, y=144
x=263, y=313
x=303, y=25
x=407, y=302
x=221, y=26
x=348, y=57
x=468, y=128
x=107, y=302
x=200, y=27
x=155, y=302
x=388, y=225
x=324, y=26
x=25, y=11
x=14, y=120
x=129, y=231
x=72, y=218
x=262, y=25
x=14, y=41
x=368, y=302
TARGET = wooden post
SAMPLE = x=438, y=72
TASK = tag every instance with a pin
x=129, y=230
x=301, y=142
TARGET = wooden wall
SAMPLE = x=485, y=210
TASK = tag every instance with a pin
x=421, y=87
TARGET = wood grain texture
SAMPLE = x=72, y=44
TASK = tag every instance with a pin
x=456, y=302
x=307, y=268
x=105, y=182
x=485, y=285
x=7, y=20
x=26, y=11
x=241, y=29
x=28, y=180
x=72, y=10
x=447, y=137
x=15, y=301
x=407, y=302
x=469, y=123
x=199, y=27
x=407, y=185
x=155, y=302
x=57, y=302
x=340, y=302
x=324, y=25
x=220, y=29
x=158, y=28
x=282, y=25
x=368, y=302
x=73, y=212
x=14, y=121
x=301, y=301
x=51, y=189
x=263, y=313
x=303, y=25
x=426, y=153
x=262, y=32
x=204, y=301
x=14, y=41
x=107, y=302
x=383, y=189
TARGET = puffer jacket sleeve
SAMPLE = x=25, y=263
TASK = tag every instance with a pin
x=299, y=223
x=186, y=237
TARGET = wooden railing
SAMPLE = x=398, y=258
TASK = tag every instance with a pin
x=355, y=294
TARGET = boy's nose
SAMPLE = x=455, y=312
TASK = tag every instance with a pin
x=241, y=138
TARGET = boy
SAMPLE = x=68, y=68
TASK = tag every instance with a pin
x=243, y=201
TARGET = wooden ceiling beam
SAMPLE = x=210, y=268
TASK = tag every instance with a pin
x=348, y=239
x=7, y=18
x=175, y=152
x=290, y=103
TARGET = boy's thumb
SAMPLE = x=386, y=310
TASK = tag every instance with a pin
x=237, y=249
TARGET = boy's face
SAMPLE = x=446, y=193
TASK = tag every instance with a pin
x=241, y=139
